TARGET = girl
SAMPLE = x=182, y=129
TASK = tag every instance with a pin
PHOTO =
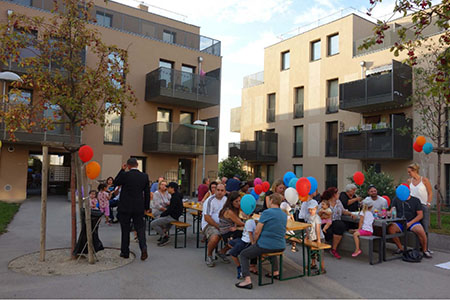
x=103, y=201
x=314, y=233
x=325, y=214
x=365, y=227
x=93, y=199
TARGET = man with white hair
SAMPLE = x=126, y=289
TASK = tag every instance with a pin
x=348, y=198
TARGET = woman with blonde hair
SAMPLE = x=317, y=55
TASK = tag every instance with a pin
x=161, y=199
x=278, y=187
x=420, y=188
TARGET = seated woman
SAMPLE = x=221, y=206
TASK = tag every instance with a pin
x=161, y=199
x=211, y=191
x=269, y=237
x=229, y=221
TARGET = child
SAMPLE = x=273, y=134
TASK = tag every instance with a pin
x=239, y=244
x=287, y=210
x=103, y=201
x=314, y=233
x=93, y=199
x=325, y=214
x=365, y=227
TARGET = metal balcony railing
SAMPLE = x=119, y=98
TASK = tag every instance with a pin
x=263, y=149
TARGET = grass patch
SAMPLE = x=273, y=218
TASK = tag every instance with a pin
x=445, y=222
x=7, y=212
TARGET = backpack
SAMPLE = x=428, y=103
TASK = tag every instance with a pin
x=412, y=255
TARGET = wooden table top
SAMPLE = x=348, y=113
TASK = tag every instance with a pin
x=290, y=225
x=195, y=206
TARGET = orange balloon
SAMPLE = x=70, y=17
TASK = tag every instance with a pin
x=93, y=170
x=420, y=140
x=303, y=199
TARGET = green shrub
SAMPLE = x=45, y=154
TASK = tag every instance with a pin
x=382, y=181
x=231, y=166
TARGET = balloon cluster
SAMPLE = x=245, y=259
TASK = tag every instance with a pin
x=93, y=168
x=298, y=188
x=260, y=187
x=421, y=144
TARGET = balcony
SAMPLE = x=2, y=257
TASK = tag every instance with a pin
x=376, y=93
x=263, y=149
x=171, y=138
x=386, y=143
x=169, y=86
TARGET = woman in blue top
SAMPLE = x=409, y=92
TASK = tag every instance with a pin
x=269, y=237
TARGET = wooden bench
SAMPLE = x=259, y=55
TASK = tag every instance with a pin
x=149, y=217
x=370, y=239
x=268, y=257
x=313, y=248
x=180, y=227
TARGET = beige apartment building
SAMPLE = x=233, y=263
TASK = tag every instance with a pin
x=323, y=108
x=175, y=73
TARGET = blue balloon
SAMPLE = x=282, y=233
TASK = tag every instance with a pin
x=427, y=148
x=287, y=178
x=402, y=192
x=314, y=184
x=248, y=204
x=254, y=194
x=293, y=182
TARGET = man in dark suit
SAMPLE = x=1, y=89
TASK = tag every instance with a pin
x=134, y=201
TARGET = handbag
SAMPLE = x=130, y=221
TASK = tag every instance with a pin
x=412, y=255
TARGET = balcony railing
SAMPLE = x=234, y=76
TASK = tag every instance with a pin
x=381, y=92
x=170, y=86
x=332, y=105
x=263, y=149
x=141, y=27
x=172, y=138
x=253, y=80
x=298, y=149
x=386, y=143
x=298, y=110
x=270, y=115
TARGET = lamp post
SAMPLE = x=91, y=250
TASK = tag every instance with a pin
x=204, y=124
x=7, y=76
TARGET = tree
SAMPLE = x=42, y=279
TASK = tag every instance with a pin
x=77, y=94
x=382, y=181
x=231, y=166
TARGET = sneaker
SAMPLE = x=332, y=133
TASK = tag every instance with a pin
x=398, y=251
x=210, y=262
x=164, y=241
x=335, y=253
x=427, y=254
x=224, y=258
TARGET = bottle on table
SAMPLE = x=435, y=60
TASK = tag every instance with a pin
x=394, y=213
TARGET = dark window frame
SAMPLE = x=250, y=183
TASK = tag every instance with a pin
x=144, y=162
x=172, y=33
x=312, y=43
x=283, y=60
x=104, y=14
x=187, y=112
x=120, y=142
x=294, y=154
x=329, y=153
x=268, y=119
x=327, y=109
x=167, y=109
x=298, y=116
x=328, y=182
x=298, y=165
x=329, y=37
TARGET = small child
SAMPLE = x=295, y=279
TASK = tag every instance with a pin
x=365, y=227
x=103, y=201
x=314, y=233
x=325, y=214
x=239, y=244
x=287, y=210
x=93, y=199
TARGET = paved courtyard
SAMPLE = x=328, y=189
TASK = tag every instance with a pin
x=182, y=273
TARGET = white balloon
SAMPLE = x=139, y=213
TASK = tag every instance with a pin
x=291, y=195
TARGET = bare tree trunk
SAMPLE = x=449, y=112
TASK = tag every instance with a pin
x=438, y=198
x=72, y=199
x=79, y=185
x=87, y=215
x=44, y=201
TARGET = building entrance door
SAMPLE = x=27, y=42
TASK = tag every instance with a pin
x=184, y=176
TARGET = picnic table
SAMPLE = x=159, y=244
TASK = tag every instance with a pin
x=197, y=219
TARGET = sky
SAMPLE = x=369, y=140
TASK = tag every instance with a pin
x=245, y=28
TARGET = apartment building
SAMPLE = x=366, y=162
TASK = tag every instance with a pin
x=324, y=108
x=175, y=73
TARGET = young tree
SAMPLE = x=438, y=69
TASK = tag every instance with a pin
x=77, y=94
x=231, y=166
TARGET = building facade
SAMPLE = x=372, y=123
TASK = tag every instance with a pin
x=176, y=75
x=324, y=108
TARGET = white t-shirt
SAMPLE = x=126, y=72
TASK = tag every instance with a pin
x=378, y=204
x=250, y=226
x=368, y=221
x=212, y=207
x=304, y=212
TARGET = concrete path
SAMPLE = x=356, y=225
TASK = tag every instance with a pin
x=182, y=273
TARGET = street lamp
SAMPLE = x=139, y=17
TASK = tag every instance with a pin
x=204, y=124
x=7, y=76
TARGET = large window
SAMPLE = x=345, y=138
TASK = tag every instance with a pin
x=187, y=76
x=141, y=160
x=169, y=36
x=186, y=117
x=315, y=50
x=113, y=126
x=333, y=44
x=333, y=96
x=332, y=139
x=271, y=108
x=164, y=115
x=20, y=96
x=115, y=67
x=285, y=60
x=298, y=170
x=331, y=172
x=299, y=95
x=165, y=75
x=104, y=19
x=298, y=141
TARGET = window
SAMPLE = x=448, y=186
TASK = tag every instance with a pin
x=141, y=160
x=299, y=102
x=165, y=64
x=169, y=36
x=270, y=173
x=315, y=50
x=186, y=117
x=332, y=139
x=164, y=115
x=333, y=96
x=285, y=60
x=187, y=77
x=333, y=44
x=104, y=19
x=113, y=125
x=298, y=141
x=165, y=73
x=53, y=112
x=331, y=172
x=19, y=96
x=298, y=170
x=115, y=68
x=271, y=108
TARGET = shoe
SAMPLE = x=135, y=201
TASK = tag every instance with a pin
x=268, y=275
x=335, y=253
x=427, y=254
x=115, y=221
x=160, y=238
x=210, y=262
x=294, y=249
x=431, y=252
x=144, y=255
x=164, y=241
x=247, y=286
x=398, y=251
x=124, y=255
x=355, y=254
x=224, y=258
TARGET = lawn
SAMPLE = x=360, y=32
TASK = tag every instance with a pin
x=445, y=221
x=7, y=212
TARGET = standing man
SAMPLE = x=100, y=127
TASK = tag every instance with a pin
x=134, y=201
x=203, y=189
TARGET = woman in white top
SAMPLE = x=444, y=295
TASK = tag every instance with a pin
x=420, y=188
x=161, y=199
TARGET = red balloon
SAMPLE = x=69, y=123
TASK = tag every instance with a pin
x=417, y=147
x=303, y=186
x=358, y=177
x=387, y=199
x=405, y=184
x=265, y=186
x=258, y=189
x=85, y=153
